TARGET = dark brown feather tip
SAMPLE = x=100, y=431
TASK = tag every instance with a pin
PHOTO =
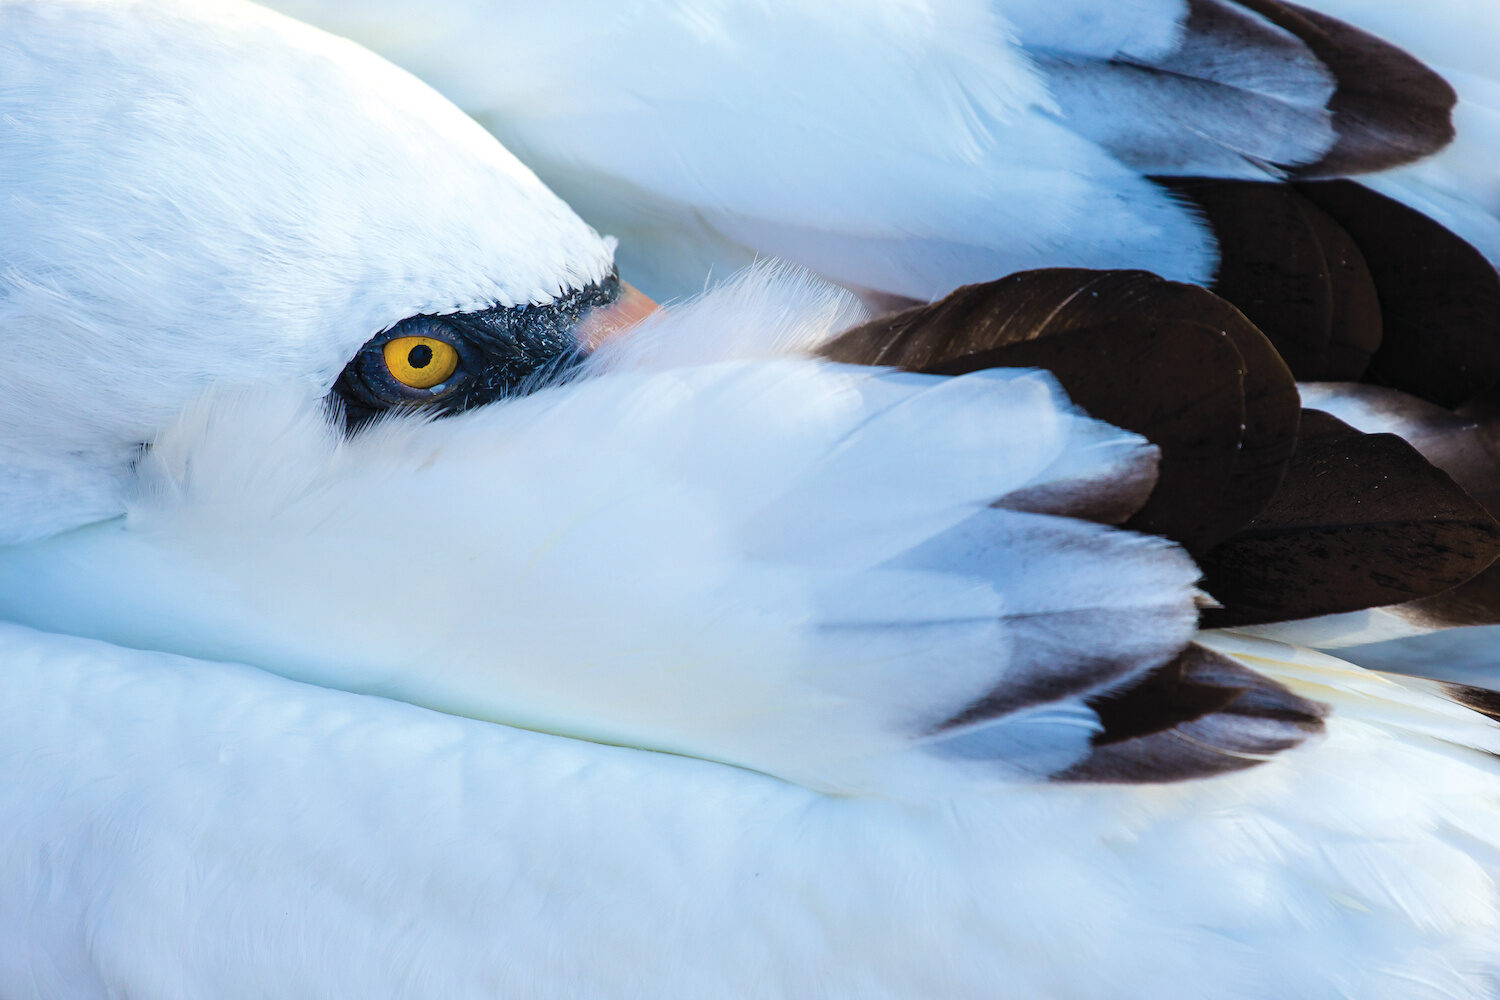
x=1361, y=521
x=1046, y=665
x=1200, y=715
x=1481, y=700
x=1350, y=285
x=1389, y=108
x=1109, y=499
x=1181, y=385
x=1172, y=362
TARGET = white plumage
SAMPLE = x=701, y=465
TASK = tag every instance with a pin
x=213, y=830
x=793, y=577
x=908, y=148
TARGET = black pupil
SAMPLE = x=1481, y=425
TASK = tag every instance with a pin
x=420, y=356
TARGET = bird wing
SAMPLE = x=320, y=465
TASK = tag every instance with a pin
x=1307, y=528
x=1458, y=185
x=911, y=148
x=822, y=571
x=688, y=555
x=904, y=147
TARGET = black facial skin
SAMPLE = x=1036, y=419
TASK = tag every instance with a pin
x=502, y=352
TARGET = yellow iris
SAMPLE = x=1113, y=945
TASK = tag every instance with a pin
x=420, y=362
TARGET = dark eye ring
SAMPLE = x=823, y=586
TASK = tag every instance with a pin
x=416, y=362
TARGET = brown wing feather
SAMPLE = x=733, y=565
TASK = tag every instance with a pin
x=1361, y=521
x=1170, y=361
x=1439, y=297
x=1294, y=272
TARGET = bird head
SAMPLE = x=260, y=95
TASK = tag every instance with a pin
x=225, y=198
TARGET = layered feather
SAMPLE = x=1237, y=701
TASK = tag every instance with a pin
x=908, y=149
x=1415, y=636
x=1458, y=186
x=790, y=565
x=1292, y=518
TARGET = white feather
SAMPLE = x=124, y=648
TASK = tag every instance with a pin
x=908, y=148
x=1138, y=30
x=768, y=310
x=904, y=147
x=398, y=852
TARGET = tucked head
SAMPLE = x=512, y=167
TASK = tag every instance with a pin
x=213, y=195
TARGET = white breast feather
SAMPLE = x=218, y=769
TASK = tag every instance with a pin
x=397, y=851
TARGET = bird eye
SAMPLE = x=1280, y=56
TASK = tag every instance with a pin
x=420, y=362
x=447, y=363
x=423, y=361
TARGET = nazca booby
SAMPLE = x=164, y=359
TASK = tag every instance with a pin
x=904, y=149
x=899, y=711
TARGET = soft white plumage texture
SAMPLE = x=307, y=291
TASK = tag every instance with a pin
x=1396, y=639
x=910, y=147
x=904, y=147
x=154, y=244
x=263, y=838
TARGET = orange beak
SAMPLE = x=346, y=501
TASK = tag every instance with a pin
x=625, y=312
